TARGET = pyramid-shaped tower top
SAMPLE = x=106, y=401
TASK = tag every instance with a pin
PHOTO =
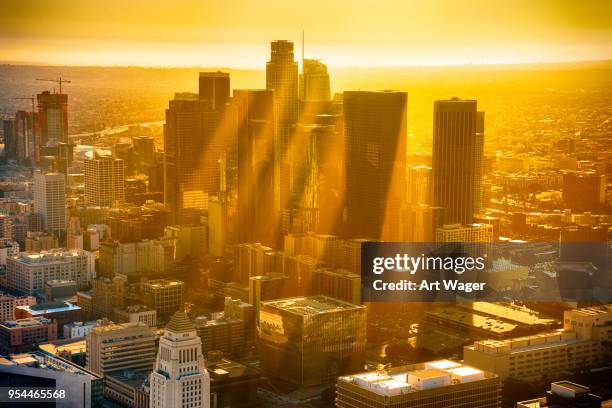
x=180, y=323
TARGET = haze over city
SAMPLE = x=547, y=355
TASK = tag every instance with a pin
x=326, y=204
x=343, y=33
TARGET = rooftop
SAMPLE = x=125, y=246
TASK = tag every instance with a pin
x=228, y=369
x=401, y=380
x=497, y=318
x=109, y=327
x=42, y=360
x=50, y=256
x=179, y=323
x=24, y=323
x=528, y=343
x=311, y=305
x=161, y=283
x=49, y=307
x=472, y=319
x=137, y=309
x=60, y=282
x=132, y=378
x=72, y=346
x=594, y=310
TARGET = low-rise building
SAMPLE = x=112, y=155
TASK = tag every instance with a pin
x=60, y=289
x=82, y=388
x=137, y=313
x=164, y=295
x=78, y=329
x=232, y=384
x=116, y=347
x=441, y=383
x=62, y=312
x=465, y=233
x=307, y=341
x=128, y=388
x=7, y=307
x=85, y=302
x=23, y=334
x=579, y=345
x=482, y=320
x=28, y=272
x=223, y=334
x=564, y=394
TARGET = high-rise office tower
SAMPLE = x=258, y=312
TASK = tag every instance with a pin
x=10, y=143
x=104, y=180
x=315, y=173
x=27, y=136
x=65, y=156
x=478, y=197
x=53, y=113
x=314, y=81
x=192, y=147
x=144, y=153
x=125, y=151
x=257, y=218
x=418, y=190
x=375, y=143
x=49, y=201
x=455, y=150
x=180, y=378
x=282, y=78
x=215, y=88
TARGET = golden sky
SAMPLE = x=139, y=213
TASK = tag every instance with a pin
x=236, y=33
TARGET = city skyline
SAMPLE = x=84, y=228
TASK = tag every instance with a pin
x=345, y=34
x=307, y=233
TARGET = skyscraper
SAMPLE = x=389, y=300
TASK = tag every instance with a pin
x=180, y=378
x=282, y=78
x=215, y=88
x=53, y=113
x=10, y=143
x=125, y=151
x=49, y=201
x=257, y=217
x=144, y=153
x=375, y=142
x=314, y=175
x=26, y=136
x=314, y=84
x=478, y=198
x=104, y=180
x=192, y=147
x=418, y=185
x=455, y=158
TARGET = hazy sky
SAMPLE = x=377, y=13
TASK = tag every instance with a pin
x=341, y=32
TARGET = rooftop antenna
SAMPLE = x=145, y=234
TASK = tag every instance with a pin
x=302, y=50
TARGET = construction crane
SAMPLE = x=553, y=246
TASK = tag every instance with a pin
x=31, y=98
x=57, y=81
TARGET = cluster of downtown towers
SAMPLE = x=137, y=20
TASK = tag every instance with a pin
x=289, y=158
